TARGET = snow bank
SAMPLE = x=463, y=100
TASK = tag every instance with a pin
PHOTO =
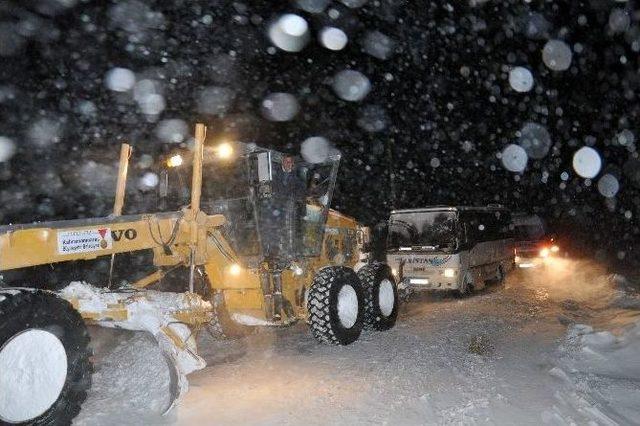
x=600, y=373
x=131, y=384
x=147, y=310
x=605, y=353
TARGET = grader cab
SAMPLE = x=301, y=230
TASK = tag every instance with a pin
x=278, y=224
x=260, y=245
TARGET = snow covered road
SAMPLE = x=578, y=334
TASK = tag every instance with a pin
x=497, y=357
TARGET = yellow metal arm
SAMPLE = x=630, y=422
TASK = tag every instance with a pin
x=168, y=234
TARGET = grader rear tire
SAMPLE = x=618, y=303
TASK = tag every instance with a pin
x=380, y=295
x=336, y=306
x=45, y=371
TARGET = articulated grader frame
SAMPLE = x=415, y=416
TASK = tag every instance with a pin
x=298, y=267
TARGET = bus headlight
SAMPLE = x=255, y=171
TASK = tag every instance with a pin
x=544, y=252
x=449, y=273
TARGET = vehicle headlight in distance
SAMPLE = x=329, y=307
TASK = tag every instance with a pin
x=544, y=252
x=394, y=271
x=449, y=273
x=555, y=248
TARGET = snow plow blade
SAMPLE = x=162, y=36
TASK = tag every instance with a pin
x=169, y=317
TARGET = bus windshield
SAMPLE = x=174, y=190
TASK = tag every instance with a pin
x=434, y=230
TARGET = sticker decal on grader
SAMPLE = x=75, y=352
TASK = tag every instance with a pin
x=84, y=241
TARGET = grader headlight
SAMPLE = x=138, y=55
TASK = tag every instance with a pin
x=234, y=269
x=175, y=161
x=224, y=150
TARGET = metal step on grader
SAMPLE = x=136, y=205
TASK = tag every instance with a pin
x=259, y=245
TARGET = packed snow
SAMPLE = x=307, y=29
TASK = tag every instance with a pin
x=150, y=311
x=131, y=382
x=553, y=346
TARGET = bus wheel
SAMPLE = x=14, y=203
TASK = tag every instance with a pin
x=500, y=275
x=467, y=286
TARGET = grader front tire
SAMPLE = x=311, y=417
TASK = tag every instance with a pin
x=336, y=306
x=45, y=371
x=380, y=295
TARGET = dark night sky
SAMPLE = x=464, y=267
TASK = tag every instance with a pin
x=442, y=99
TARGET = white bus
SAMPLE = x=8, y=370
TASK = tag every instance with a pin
x=450, y=248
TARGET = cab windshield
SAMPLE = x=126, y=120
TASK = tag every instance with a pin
x=276, y=205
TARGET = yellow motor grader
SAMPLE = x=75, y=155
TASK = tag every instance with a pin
x=259, y=246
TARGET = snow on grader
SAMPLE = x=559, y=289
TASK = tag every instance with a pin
x=259, y=246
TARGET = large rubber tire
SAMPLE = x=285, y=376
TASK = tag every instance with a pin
x=330, y=286
x=222, y=326
x=501, y=276
x=23, y=312
x=378, y=284
x=468, y=285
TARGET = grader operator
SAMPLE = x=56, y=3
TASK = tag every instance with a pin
x=260, y=245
